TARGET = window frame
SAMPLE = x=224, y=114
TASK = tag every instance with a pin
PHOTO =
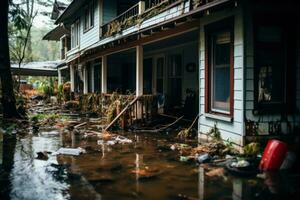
x=75, y=35
x=89, y=17
x=225, y=25
x=288, y=78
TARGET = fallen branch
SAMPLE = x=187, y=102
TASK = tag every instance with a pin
x=185, y=132
x=162, y=128
x=79, y=125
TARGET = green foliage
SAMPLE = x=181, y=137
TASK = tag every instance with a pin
x=229, y=144
x=60, y=93
x=215, y=133
x=47, y=87
x=45, y=117
x=252, y=149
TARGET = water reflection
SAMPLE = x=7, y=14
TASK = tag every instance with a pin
x=35, y=179
x=135, y=171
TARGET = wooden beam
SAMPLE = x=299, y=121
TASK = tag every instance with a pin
x=153, y=38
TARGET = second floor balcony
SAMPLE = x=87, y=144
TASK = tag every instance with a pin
x=145, y=10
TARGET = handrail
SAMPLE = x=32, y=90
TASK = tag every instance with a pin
x=129, y=9
x=129, y=17
x=121, y=113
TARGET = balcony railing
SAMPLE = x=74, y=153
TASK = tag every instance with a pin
x=149, y=4
x=125, y=20
x=143, y=10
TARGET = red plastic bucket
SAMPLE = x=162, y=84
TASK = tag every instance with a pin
x=274, y=155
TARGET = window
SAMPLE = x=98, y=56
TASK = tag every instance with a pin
x=75, y=28
x=89, y=16
x=274, y=61
x=219, y=68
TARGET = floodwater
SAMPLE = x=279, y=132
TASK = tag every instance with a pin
x=145, y=169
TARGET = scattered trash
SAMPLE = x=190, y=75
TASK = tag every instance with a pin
x=115, y=140
x=229, y=157
x=173, y=148
x=123, y=140
x=243, y=167
x=71, y=151
x=204, y=158
x=273, y=156
x=218, y=172
x=111, y=142
x=240, y=164
x=186, y=158
x=42, y=156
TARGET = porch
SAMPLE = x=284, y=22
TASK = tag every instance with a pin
x=164, y=71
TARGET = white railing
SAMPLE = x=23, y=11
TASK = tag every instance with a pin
x=125, y=20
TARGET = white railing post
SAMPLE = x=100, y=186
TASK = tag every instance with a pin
x=72, y=78
x=85, y=80
x=139, y=70
x=139, y=78
x=141, y=7
x=59, y=76
x=104, y=75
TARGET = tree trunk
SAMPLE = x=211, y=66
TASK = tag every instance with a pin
x=8, y=96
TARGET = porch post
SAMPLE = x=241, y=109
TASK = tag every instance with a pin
x=59, y=77
x=72, y=78
x=139, y=78
x=85, y=80
x=104, y=75
x=139, y=70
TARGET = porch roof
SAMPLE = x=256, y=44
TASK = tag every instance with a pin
x=56, y=33
x=137, y=32
x=44, y=68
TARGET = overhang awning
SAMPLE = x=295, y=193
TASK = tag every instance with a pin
x=56, y=33
x=44, y=68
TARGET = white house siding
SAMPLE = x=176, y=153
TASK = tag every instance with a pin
x=91, y=36
x=249, y=78
x=233, y=131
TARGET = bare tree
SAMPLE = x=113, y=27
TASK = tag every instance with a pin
x=20, y=40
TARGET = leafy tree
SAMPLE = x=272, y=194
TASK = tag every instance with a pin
x=20, y=35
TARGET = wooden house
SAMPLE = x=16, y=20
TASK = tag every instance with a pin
x=234, y=62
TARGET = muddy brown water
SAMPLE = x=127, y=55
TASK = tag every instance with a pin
x=110, y=172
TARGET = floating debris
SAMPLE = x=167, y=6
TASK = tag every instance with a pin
x=42, y=155
x=71, y=151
